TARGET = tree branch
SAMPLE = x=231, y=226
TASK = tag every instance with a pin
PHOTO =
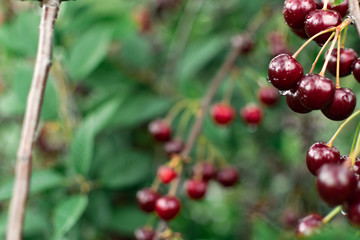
x=354, y=10
x=49, y=13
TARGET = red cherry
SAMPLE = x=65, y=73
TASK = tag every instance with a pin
x=167, y=207
x=252, y=114
x=268, y=95
x=228, y=176
x=300, y=33
x=353, y=213
x=160, y=130
x=277, y=44
x=206, y=169
x=347, y=59
x=174, y=147
x=295, y=12
x=356, y=69
x=308, y=225
x=223, y=114
x=292, y=100
x=166, y=174
x=196, y=189
x=146, y=199
x=342, y=8
x=144, y=234
x=319, y=154
x=341, y=106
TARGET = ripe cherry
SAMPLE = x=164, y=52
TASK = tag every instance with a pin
x=167, y=207
x=292, y=100
x=308, y=225
x=353, y=213
x=335, y=183
x=207, y=170
x=252, y=114
x=300, y=33
x=196, y=189
x=144, y=234
x=342, y=8
x=320, y=20
x=295, y=12
x=347, y=59
x=315, y=91
x=174, y=146
x=356, y=69
x=160, y=130
x=284, y=72
x=268, y=95
x=341, y=106
x=223, y=114
x=228, y=176
x=277, y=43
x=146, y=199
x=319, y=154
x=166, y=174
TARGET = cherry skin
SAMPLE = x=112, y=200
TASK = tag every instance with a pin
x=174, y=147
x=144, y=234
x=206, y=170
x=146, y=199
x=335, y=183
x=319, y=154
x=295, y=12
x=315, y=91
x=252, y=114
x=160, y=130
x=292, y=100
x=320, y=20
x=166, y=174
x=347, y=59
x=284, y=72
x=353, y=213
x=342, y=8
x=228, y=176
x=268, y=95
x=356, y=69
x=308, y=225
x=223, y=114
x=196, y=189
x=167, y=207
x=341, y=106
x=300, y=33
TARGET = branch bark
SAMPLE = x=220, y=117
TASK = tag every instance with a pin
x=354, y=10
x=49, y=14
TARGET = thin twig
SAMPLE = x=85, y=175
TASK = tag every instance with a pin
x=354, y=10
x=49, y=13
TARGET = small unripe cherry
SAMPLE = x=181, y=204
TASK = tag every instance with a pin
x=227, y=176
x=222, y=113
x=160, y=130
x=166, y=174
x=196, y=189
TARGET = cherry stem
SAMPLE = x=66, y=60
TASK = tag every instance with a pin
x=244, y=88
x=320, y=52
x=355, y=153
x=175, y=185
x=176, y=109
x=338, y=63
x=184, y=121
x=331, y=214
x=215, y=151
x=229, y=91
x=325, y=5
x=155, y=184
x=330, y=143
x=355, y=138
x=322, y=73
x=344, y=38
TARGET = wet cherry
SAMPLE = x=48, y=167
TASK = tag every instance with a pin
x=341, y=106
x=319, y=154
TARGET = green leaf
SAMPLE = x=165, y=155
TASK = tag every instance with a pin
x=67, y=213
x=262, y=230
x=127, y=219
x=40, y=181
x=336, y=2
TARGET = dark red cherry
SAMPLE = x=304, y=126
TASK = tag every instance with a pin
x=206, y=169
x=356, y=69
x=146, y=199
x=342, y=8
x=196, y=189
x=294, y=104
x=223, y=114
x=160, y=130
x=284, y=72
x=335, y=183
x=319, y=154
x=347, y=59
x=228, y=176
x=252, y=114
x=167, y=207
x=341, y=106
x=144, y=234
x=315, y=91
x=277, y=43
x=174, y=146
x=308, y=225
x=320, y=20
x=166, y=174
x=295, y=12
x=300, y=33
x=353, y=213
x=268, y=95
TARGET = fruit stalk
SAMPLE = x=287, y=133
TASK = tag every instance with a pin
x=49, y=14
x=354, y=10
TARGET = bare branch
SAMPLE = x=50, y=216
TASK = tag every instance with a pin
x=354, y=10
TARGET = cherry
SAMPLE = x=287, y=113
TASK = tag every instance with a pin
x=252, y=114
x=356, y=69
x=146, y=199
x=342, y=105
x=160, y=130
x=174, y=147
x=347, y=59
x=315, y=91
x=353, y=213
x=320, y=20
x=294, y=104
x=222, y=113
x=295, y=12
x=277, y=44
x=206, y=169
x=284, y=72
x=335, y=183
x=268, y=95
x=319, y=154
x=144, y=234
x=166, y=174
x=300, y=33
x=196, y=189
x=342, y=8
x=167, y=207
x=228, y=176
x=308, y=225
